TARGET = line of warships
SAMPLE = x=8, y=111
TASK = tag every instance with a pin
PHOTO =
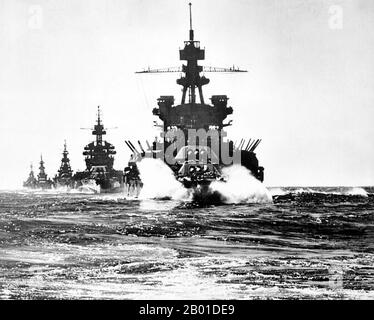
x=188, y=167
x=99, y=174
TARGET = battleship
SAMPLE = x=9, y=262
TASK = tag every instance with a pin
x=42, y=181
x=99, y=161
x=196, y=160
x=31, y=181
x=64, y=176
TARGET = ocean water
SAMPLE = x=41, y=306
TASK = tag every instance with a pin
x=308, y=243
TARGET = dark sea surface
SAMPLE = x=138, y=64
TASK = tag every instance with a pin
x=310, y=243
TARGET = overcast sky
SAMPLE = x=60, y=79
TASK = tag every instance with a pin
x=308, y=93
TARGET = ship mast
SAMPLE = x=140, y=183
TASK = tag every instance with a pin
x=99, y=129
x=65, y=168
x=31, y=175
x=192, y=79
x=42, y=175
x=191, y=30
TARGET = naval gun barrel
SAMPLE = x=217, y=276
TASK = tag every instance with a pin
x=240, y=142
x=131, y=149
x=141, y=147
x=258, y=143
x=241, y=147
x=246, y=148
x=255, y=145
x=148, y=145
x=136, y=150
x=251, y=145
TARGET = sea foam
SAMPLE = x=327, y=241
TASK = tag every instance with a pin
x=240, y=186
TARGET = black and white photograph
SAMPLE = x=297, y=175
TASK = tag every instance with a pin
x=216, y=150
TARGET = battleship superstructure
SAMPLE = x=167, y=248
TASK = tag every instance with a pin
x=194, y=161
x=99, y=163
x=64, y=176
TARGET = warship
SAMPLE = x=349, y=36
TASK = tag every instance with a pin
x=99, y=160
x=31, y=181
x=64, y=176
x=42, y=181
x=196, y=160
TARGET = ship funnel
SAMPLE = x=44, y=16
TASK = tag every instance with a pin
x=191, y=30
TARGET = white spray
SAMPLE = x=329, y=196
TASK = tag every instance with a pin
x=357, y=191
x=241, y=187
x=277, y=191
x=159, y=181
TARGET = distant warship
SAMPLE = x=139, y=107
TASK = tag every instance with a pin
x=43, y=181
x=195, y=163
x=64, y=177
x=31, y=181
x=99, y=176
x=99, y=163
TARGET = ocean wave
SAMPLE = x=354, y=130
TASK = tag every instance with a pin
x=357, y=191
x=348, y=191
